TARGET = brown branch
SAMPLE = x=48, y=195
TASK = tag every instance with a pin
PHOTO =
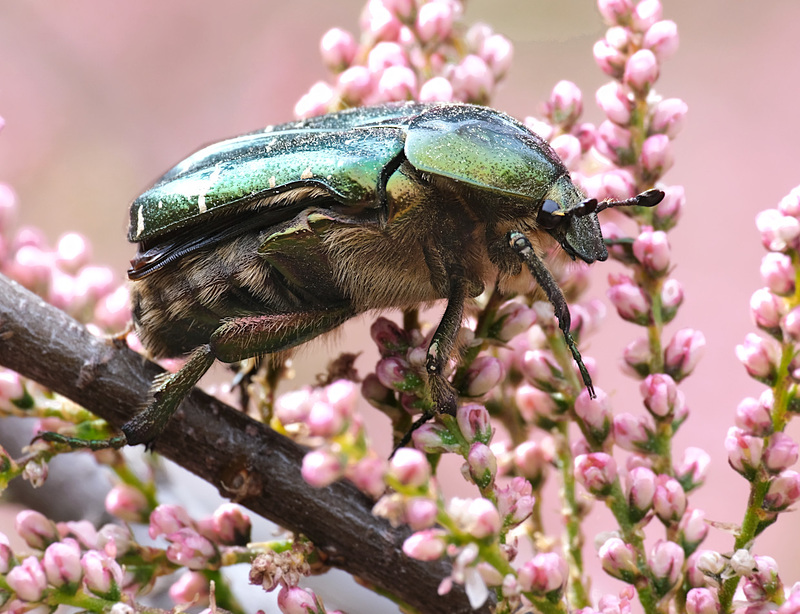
x=244, y=459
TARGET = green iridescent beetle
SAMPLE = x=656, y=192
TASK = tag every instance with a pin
x=262, y=242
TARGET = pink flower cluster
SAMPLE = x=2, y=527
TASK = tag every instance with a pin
x=409, y=50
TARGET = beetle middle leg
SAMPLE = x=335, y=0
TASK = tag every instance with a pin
x=439, y=351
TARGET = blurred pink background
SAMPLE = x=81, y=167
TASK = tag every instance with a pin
x=100, y=98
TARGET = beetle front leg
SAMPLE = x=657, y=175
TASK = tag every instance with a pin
x=522, y=246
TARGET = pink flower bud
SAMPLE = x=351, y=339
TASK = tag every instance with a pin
x=645, y=14
x=744, y=451
x=389, y=337
x=296, y=600
x=610, y=59
x=36, y=529
x=498, y=53
x=12, y=387
x=759, y=356
x=568, y=148
x=434, y=21
x=315, y=102
x=781, y=453
x=31, y=267
x=515, y=501
x=379, y=23
x=420, y=513
x=532, y=459
x=634, y=433
x=367, y=474
x=114, y=540
x=630, y=301
x=473, y=421
x=321, y=468
x=754, y=416
x=355, y=84
x=410, y=468
x=665, y=562
x=683, y=353
x=373, y=391
x=693, y=469
x=641, y=71
x=28, y=580
x=436, y=89
x=595, y=414
x=535, y=405
x=790, y=325
x=790, y=204
x=113, y=311
x=662, y=39
x=395, y=373
x=167, y=519
x=541, y=369
x=784, y=490
x=615, y=11
x=5, y=554
x=396, y=83
x=72, y=252
x=669, y=501
x=669, y=210
x=614, y=142
x=338, y=49
x=693, y=529
x=671, y=299
x=539, y=127
x=657, y=157
x=661, y=395
x=651, y=249
x=640, y=493
x=127, y=503
x=191, y=587
x=565, y=104
x=637, y=357
x=513, y=318
x=434, y=439
x=8, y=207
x=478, y=517
x=764, y=584
x=483, y=375
x=324, y=420
x=702, y=601
x=619, y=559
x=472, y=79
x=62, y=563
x=668, y=117
x=778, y=231
x=586, y=133
x=482, y=464
x=190, y=549
x=102, y=575
x=427, y=545
x=544, y=574
x=231, y=525
x=386, y=55
x=596, y=472
x=614, y=101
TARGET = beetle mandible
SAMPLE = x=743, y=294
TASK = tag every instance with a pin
x=260, y=243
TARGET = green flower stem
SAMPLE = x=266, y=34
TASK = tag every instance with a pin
x=577, y=589
x=617, y=503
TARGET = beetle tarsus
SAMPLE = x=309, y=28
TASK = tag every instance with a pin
x=522, y=246
x=75, y=443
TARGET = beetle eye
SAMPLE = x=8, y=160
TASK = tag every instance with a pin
x=549, y=215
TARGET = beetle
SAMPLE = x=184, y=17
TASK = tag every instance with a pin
x=259, y=243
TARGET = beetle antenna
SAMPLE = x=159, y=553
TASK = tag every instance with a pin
x=650, y=198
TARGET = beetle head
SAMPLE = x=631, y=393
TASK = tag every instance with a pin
x=573, y=222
